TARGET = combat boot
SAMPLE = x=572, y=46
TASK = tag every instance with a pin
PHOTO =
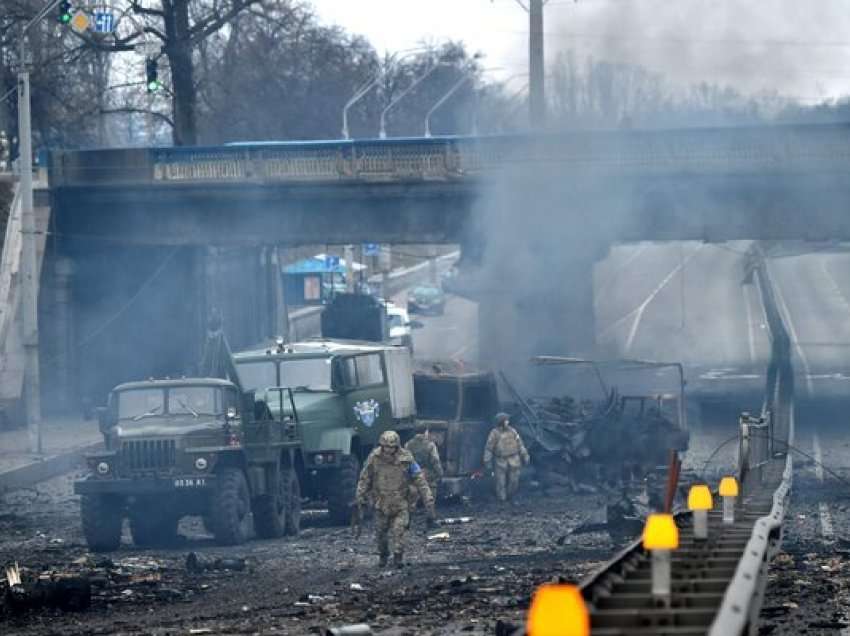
x=382, y=560
x=398, y=559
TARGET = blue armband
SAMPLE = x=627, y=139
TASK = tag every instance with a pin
x=414, y=469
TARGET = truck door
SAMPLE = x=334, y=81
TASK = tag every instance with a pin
x=367, y=395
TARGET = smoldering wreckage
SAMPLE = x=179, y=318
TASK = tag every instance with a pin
x=616, y=448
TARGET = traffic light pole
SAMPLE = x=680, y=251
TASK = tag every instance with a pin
x=29, y=258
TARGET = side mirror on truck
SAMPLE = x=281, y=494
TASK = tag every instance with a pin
x=104, y=422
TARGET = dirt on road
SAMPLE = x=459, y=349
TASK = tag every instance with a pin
x=482, y=572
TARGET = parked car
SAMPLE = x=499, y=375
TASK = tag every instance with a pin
x=400, y=327
x=427, y=299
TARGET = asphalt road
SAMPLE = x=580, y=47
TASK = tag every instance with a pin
x=685, y=302
x=450, y=336
x=814, y=297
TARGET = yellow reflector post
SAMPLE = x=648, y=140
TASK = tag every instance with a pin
x=728, y=487
x=699, y=498
x=660, y=533
x=558, y=610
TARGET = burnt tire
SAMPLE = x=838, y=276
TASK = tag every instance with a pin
x=230, y=507
x=102, y=517
x=292, y=521
x=341, y=490
x=152, y=528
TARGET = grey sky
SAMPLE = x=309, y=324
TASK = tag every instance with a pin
x=801, y=49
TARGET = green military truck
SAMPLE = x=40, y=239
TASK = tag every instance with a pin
x=346, y=393
x=192, y=446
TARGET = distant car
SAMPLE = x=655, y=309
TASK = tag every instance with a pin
x=400, y=327
x=427, y=299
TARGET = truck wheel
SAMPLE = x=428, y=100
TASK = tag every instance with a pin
x=102, y=517
x=151, y=528
x=270, y=510
x=231, y=507
x=292, y=522
x=341, y=491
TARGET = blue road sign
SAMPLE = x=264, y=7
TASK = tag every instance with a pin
x=371, y=249
x=332, y=261
x=104, y=21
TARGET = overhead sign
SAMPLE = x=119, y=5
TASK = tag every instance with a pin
x=104, y=21
x=371, y=249
x=80, y=22
x=332, y=261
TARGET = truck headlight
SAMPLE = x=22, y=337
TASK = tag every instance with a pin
x=201, y=463
x=103, y=468
x=319, y=459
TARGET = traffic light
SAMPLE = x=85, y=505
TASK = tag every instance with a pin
x=66, y=12
x=152, y=76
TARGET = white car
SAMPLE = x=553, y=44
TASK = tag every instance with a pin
x=401, y=332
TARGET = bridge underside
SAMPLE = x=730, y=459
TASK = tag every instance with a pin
x=717, y=207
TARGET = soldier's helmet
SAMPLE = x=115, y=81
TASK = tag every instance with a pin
x=502, y=418
x=389, y=438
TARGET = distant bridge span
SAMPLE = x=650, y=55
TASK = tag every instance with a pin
x=770, y=182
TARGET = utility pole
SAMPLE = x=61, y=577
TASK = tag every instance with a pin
x=536, y=71
x=537, y=93
x=29, y=263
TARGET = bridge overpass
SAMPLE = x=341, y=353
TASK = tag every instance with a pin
x=770, y=182
x=533, y=212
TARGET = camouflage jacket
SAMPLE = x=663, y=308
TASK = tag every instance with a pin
x=386, y=481
x=427, y=456
x=505, y=445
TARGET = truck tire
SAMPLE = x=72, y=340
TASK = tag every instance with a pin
x=270, y=510
x=292, y=522
x=150, y=527
x=341, y=490
x=102, y=517
x=230, y=507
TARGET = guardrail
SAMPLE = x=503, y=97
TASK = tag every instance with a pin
x=807, y=148
x=718, y=584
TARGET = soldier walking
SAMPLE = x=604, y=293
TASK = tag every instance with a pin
x=505, y=454
x=386, y=479
x=425, y=453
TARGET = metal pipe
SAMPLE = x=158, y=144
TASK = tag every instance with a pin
x=469, y=74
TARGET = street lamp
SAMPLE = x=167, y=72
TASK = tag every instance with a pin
x=364, y=89
x=29, y=265
x=383, y=131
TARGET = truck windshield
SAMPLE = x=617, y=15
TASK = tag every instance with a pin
x=257, y=376
x=194, y=400
x=313, y=374
x=137, y=403
x=395, y=320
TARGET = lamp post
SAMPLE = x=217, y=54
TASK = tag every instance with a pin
x=367, y=86
x=382, y=133
x=29, y=264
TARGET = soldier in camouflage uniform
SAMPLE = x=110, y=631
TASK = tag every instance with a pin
x=386, y=477
x=505, y=454
x=428, y=457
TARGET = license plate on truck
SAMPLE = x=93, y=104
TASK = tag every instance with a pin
x=190, y=483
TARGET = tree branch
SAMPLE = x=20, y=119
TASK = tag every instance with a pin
x=137, y=8
x=143, y=111
x=212, y=23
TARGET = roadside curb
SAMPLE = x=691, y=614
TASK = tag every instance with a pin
x=42, y=469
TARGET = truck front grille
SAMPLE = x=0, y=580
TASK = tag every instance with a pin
x=149, y=454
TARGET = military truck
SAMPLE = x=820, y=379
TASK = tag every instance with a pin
x=346, y=394
x=192, y=446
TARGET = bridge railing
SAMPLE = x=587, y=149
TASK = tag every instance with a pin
x=814, y=148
